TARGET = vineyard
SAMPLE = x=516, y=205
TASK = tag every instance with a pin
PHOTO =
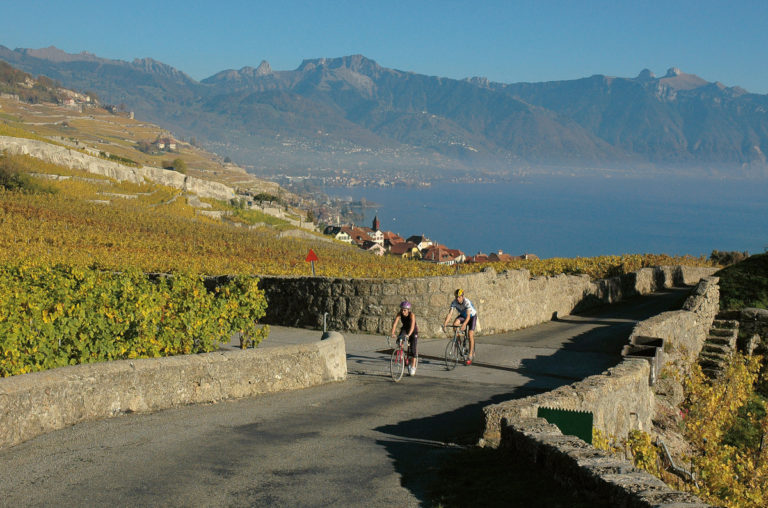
x=92, y=221
x=56, y=316
x=75, y=249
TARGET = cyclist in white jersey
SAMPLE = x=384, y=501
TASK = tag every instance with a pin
x=467, y=319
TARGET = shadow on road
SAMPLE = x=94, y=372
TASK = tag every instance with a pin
x=436, y=456
x=438, y=462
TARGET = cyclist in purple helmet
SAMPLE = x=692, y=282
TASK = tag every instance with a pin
x=408, y=327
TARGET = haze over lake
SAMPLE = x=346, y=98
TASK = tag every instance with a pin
x=570, y=217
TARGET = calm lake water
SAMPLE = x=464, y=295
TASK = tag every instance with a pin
x=570, y=217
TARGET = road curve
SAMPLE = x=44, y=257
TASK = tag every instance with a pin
x=366, y=441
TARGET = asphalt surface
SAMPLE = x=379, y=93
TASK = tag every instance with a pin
x=366, y=441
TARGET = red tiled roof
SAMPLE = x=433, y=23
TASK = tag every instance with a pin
x=500, y=256
x=439, y=253
x=402, y=248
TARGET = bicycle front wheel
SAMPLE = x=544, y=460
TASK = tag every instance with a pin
x=451, y=355
x=397, y=364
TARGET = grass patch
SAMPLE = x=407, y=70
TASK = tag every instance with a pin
x=251, y=217
x=745, y=284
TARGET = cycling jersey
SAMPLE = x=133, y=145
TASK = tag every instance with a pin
x=406, y=321
x=464, y=308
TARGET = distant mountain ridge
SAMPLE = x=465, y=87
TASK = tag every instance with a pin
x=350, y=112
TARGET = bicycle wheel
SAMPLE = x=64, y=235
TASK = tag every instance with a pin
x=451, y=354
x=397, y=364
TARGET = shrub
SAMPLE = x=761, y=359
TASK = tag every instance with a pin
x=14, y=178
x=176, y=165
x=746, y=432
x=724, y=258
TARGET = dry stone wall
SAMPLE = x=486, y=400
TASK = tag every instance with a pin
x=684, y=331
x=620, y=400
x=609, y=480
x=505, y=301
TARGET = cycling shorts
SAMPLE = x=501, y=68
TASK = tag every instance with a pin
x=472, y=321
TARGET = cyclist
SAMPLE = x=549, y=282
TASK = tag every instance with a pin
x=408, y=321
x=467, y=318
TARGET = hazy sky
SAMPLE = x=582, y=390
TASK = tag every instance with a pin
x=503, y=40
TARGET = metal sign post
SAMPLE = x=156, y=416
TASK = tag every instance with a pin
x=311, y=258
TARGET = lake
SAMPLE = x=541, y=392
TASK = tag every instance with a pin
x=570, y=217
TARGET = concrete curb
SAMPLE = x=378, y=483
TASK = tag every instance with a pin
x=36, y=403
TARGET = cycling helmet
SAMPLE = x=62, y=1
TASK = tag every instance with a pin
x=458, y=292
x=405, y=305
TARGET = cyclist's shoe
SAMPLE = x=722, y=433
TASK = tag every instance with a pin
x=410, y=370
x=469, y=360
x=413, y=371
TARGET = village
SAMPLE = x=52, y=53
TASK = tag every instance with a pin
x=416, y=247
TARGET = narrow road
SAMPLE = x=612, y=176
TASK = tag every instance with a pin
x=367, y=441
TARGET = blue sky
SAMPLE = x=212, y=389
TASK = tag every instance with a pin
x=506, y=41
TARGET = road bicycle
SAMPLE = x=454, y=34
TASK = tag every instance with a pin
x=457, y=348
x=400, y=358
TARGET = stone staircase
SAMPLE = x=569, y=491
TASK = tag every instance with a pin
x=719, y=346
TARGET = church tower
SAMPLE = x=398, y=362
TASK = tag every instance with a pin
x=376, y=223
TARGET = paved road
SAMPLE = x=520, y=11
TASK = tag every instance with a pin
x=367, y=441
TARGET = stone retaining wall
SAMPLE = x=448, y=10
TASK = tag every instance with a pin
x=36, y=403
x=609, y=480
x=684, y=331
x=620, y=400
x=78, y=160
x=505, y=301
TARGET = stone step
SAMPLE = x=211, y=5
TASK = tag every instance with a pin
x=729, y=315
x=725, y=323
x=711, y=364
x=722, y=332
x=712, y=373
x=712, y=360
x=717, y=349
x=722, y=341
x=715, y=356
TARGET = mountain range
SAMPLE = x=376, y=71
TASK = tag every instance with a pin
x=351, y=113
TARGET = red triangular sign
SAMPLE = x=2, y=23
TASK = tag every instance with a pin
x=311, y=256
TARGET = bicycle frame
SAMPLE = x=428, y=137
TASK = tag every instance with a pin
x=457, y=347
x=400, y=357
